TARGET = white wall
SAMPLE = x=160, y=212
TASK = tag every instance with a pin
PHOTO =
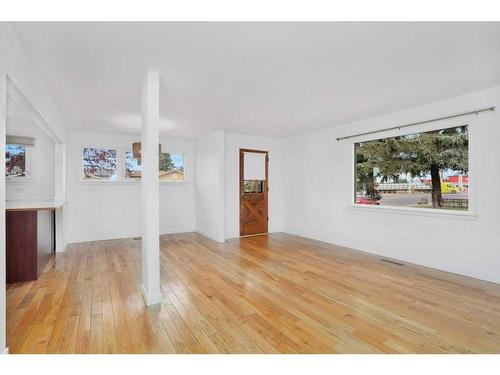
x=41, y=182
x=107, y=210
x=3, y=125
x=99, y=211
x=210, y=186
x=15, y=64
x=233, y=143
x=319, y=205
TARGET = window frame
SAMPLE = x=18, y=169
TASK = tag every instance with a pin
x=137, y=180
x=471, y=213
x=120, y=167
x=27, y=167
x=80, y=168
x=185, y=174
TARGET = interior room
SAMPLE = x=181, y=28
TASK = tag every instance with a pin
x=249, y=187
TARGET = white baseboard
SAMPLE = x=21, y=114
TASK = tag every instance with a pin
x=5, y=351
x=211, y=236
x=150, y=299
x=128, y=235
x=169, y=231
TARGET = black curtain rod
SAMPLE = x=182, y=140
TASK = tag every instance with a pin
x=476, y=112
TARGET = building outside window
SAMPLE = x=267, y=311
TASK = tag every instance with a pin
x=171, y=166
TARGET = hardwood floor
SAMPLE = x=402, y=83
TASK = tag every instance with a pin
x=264, y=294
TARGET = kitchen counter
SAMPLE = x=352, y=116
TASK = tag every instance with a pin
x=33, y=204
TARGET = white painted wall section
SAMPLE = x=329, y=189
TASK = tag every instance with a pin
x=210, y=186
x=320, y=206
x=108, y=210
x=15, y=64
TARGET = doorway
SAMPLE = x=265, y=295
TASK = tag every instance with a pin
x=254, y=188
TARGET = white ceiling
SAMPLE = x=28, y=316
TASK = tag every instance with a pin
x=270, y=79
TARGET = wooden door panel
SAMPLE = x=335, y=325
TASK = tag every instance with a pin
x=254, y=215
x=253, y=205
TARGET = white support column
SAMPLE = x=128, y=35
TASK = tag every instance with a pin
x=150, y=189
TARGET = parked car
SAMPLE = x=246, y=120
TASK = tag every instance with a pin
x=447, y=188
x=366, y=200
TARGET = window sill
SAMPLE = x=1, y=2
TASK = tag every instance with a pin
x=21, y=180
x=124, y=182
x=429, y=212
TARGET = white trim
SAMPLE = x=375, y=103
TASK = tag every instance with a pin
x=150, y=300
x=211, y=236
x=61, y=250
x=5, y=350
x=124, y=182
x=26, y=180
x=132, y=236
x=104, y=182
x=430, y=212
x=169, y=231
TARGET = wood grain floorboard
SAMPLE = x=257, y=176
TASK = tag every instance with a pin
x=264, y=294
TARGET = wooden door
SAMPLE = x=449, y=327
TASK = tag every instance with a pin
x=253, y=195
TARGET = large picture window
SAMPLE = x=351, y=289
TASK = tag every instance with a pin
x=99, y=164
x=171, y=166
x=422, y=170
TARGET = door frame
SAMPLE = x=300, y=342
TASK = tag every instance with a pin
x=265, y=187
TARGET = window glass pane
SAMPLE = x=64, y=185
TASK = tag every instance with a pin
x=15, y=160
x=99, y=164
x=253, y=186
x=254, y=165
x=132, y=167
x=423, y=170
x=171, y=166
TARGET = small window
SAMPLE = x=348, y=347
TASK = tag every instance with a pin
x=16, y=162
x=171, y=166
x=99, y=164
x=253, y=186
x=423, y=170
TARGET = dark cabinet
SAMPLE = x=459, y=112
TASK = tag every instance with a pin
x=30, y=243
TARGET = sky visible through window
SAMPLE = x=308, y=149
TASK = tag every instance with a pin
x=178, y=160
x=131, y=162
x=15, y=160
x=171, y=166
